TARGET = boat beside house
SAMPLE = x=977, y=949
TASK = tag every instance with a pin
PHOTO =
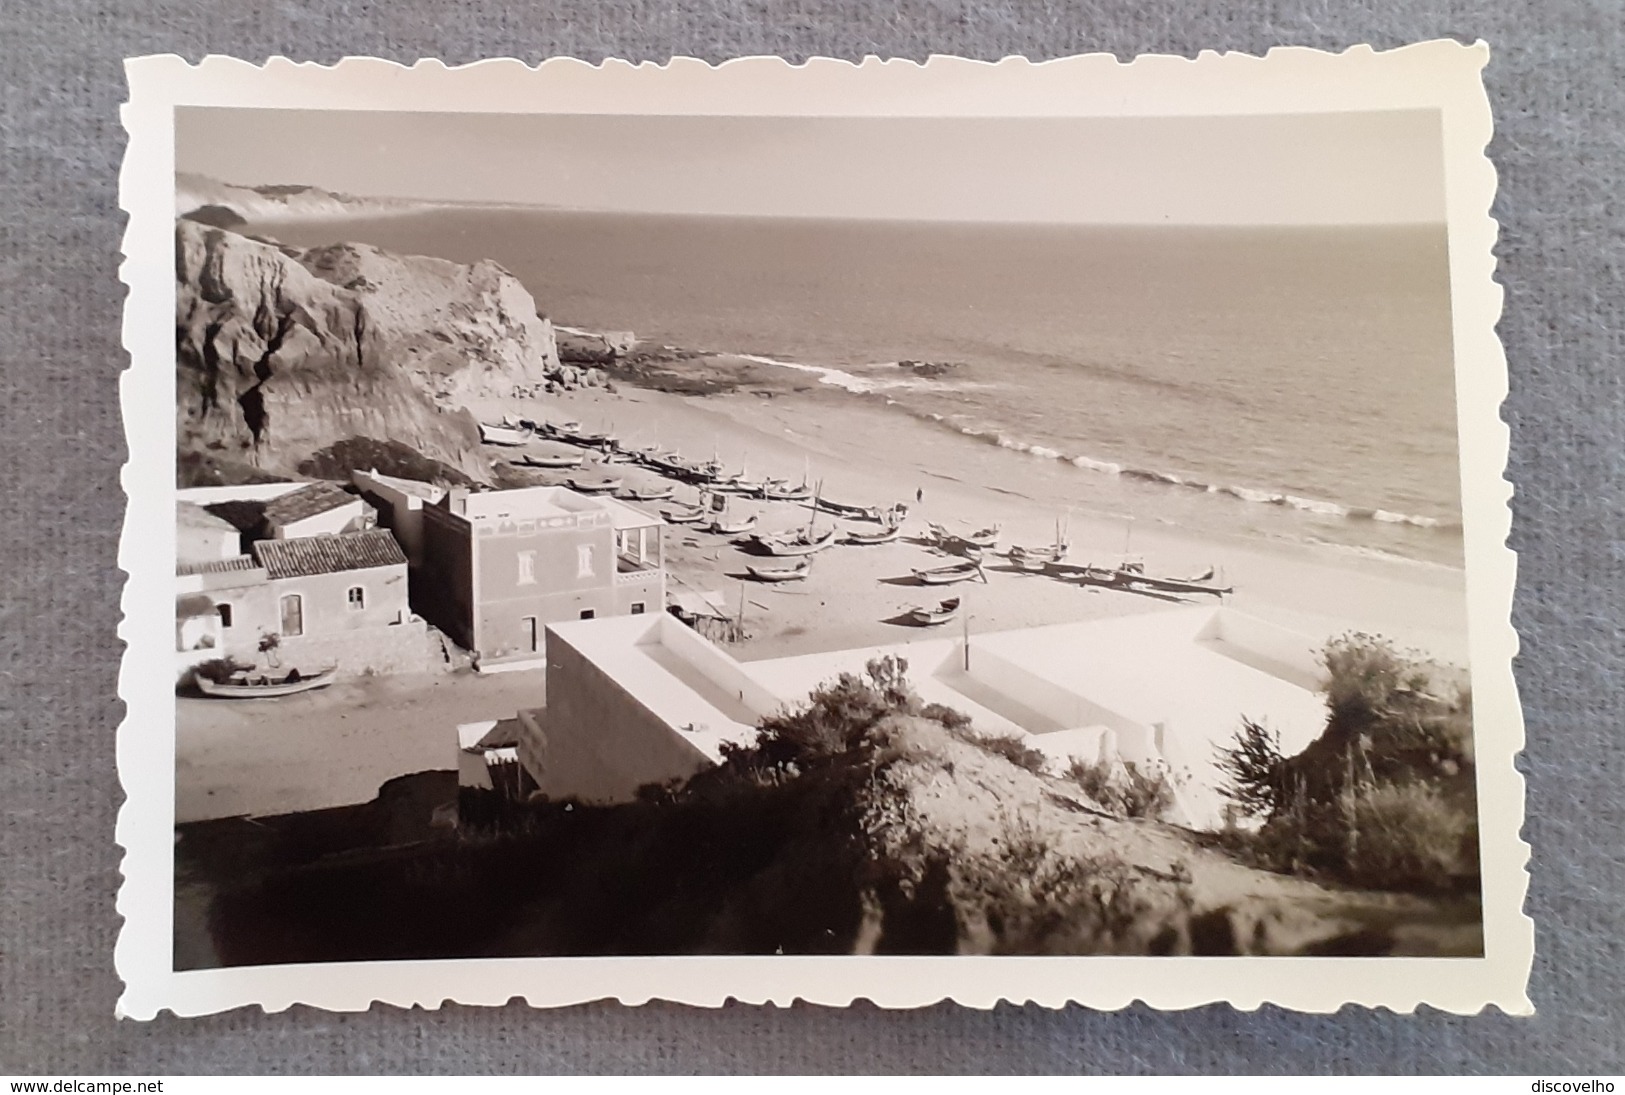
x=306, y=599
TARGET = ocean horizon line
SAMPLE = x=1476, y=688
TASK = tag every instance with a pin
x=418, y=205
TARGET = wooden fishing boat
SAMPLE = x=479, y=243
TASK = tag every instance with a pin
x=1036, y=559
x=736, y=527
x=593, y=486
x=957, y=572
x=931, y=617
x=501, y=435
x=1088, y=575
x=856, y=513
x=647, y=494
x=780, y=574
x=783, y=492
x=736, y=485
x=683, y=514
x=803, y=542
x=867, y=538
x=1203, y=583
x=560, y=462
x=254, y=685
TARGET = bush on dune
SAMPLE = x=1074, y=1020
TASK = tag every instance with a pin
x=1124, y=788
x=1385, y=796
x=1010, y=747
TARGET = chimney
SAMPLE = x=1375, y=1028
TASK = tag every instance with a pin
x=458, y=498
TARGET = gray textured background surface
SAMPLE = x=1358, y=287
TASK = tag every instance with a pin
x=1557, y=84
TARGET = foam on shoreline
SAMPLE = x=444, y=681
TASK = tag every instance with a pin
x=1253, y=495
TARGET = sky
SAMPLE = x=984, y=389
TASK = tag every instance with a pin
x=1291, y=169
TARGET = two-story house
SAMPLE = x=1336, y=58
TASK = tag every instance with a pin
x=499, y=566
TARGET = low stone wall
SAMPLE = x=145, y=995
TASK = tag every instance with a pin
x=396, y=648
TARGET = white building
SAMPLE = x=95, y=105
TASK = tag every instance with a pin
x=400, y=505
x=644, y=699
x=317, y=509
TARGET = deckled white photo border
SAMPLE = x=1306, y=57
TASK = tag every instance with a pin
x=1441, y=75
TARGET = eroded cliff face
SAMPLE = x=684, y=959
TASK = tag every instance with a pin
x=283, y=352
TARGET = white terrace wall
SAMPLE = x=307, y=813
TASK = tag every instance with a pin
x=714, y=664
x=1071, y=711
x=1275, y=650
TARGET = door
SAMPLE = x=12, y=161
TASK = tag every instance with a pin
x=293, y=614
x=531, y=634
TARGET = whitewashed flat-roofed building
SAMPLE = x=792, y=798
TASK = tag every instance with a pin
x=641, y=700
x=400, y=505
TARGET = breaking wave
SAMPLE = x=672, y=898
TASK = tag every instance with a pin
x=1251, y=495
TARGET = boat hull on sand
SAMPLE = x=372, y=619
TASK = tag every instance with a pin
x=658, y=494
x=501, y=435
x=795, y=545
x=731, y=528
x=931, y=617
x=605, y=486
x=941, y=576
x=268, y=688
x=556, y=463
x=864, y=539
x=780, y=574
x=1202, y=584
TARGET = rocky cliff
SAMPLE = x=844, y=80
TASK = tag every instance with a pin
x=227, y=204
x=283, y=352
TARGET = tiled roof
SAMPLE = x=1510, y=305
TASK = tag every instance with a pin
x=217, y=566
x=307, y=502
x=309, y=555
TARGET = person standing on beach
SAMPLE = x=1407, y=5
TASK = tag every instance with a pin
x=919, y=495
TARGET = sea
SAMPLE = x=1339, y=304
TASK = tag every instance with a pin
x=1288, y=383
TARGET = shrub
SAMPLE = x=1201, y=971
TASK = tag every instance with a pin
x=838, y=716
x=947, y=716
x=1009, y=746
x=1028, y=898
x=1408, y=836
x=1385, y=795
x=1254, y=776
x=219, y=670
x=1124, y=789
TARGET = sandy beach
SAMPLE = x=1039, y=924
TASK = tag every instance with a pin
x=862, y=454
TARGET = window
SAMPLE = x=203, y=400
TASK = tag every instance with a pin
x=225, y=613
x=587, y=613
x=293, y=614
x=637, y=608
x=584, y=561
x=358, y=598
x=527, y=568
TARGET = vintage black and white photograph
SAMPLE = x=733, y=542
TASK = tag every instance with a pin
x=640, y=533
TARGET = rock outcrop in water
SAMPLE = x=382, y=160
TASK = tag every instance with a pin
x=283, y=352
